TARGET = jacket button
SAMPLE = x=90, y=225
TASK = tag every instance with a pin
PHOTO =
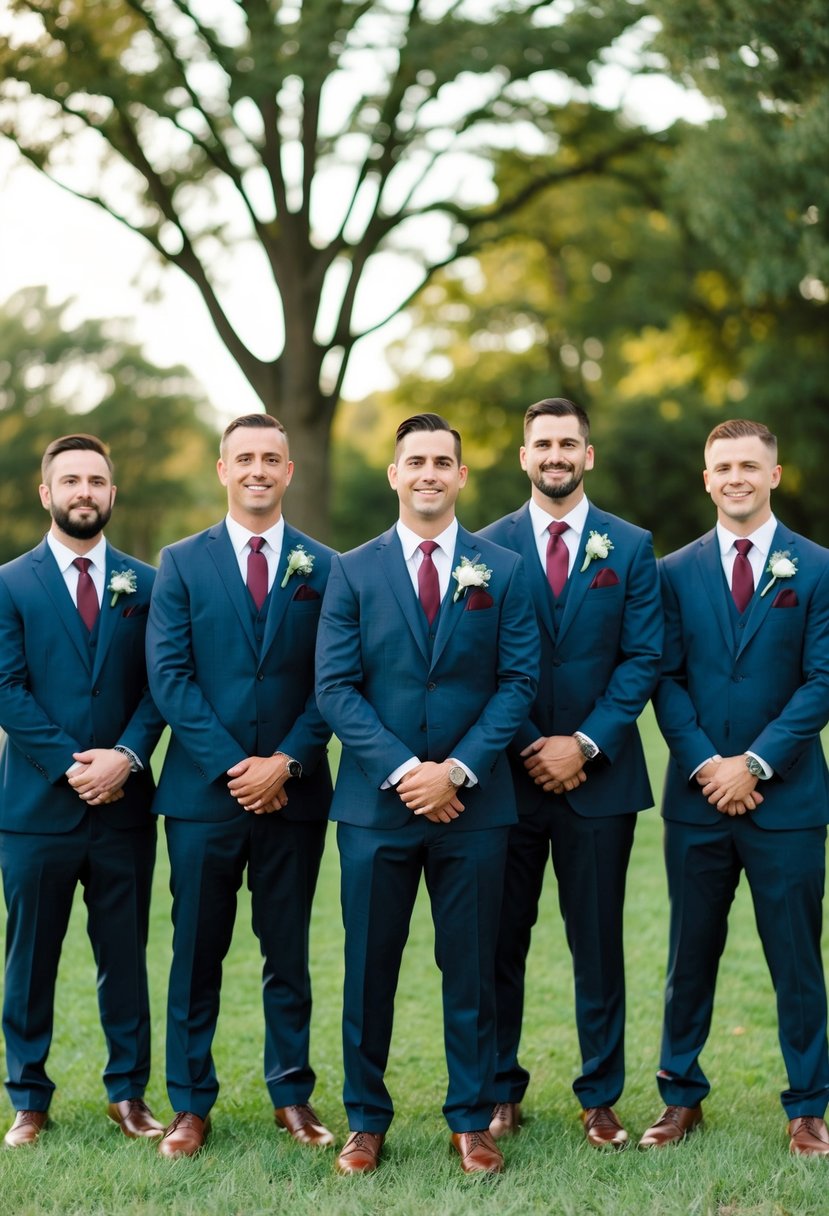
x=431, y=686
x=96, y=692
x=260, y=675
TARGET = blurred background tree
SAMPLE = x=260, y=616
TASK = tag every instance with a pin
x=56, y=377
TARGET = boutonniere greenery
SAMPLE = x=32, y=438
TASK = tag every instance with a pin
x=299, y=562
x=122, y=582
x=780, y=566
x=598, y=545
x=469, y=574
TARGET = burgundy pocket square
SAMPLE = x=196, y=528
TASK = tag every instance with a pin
x=136, y=610
x=304, y=592
x=477, y=600
x=787, y=598
x=604, y=577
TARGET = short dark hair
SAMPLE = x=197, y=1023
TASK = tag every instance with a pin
x=256, y=420
x=558, y=407
x=426, y=422
x=743, y=428
x=74, y=443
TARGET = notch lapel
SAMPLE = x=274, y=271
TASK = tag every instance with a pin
x=580, y=579
x=47, y=571
x=390, y=554
x=714, y=584
x=221, y=551
x=466, y=545
x=761, y=604
x=281, y=596
x=108, y=617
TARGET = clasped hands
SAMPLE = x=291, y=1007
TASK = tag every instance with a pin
x=728, y=785
x=427, y=790
x=257, y=783
x=98, y=775
x=555, y=762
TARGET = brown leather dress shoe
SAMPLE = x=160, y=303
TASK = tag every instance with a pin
x=27, y=1126
x=135, y=1119
x=304, y=1125
x=360, y=1154
x=809, y=1136
x=478, y=1152
x=673, y=1125
x=506, y=1119
x=185, y=1136
x=602, y=1128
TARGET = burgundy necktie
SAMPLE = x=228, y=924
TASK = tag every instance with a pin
x=558, y=558
x=742, y=578
x=428, y=583
x=87, y=595
x=257, y=571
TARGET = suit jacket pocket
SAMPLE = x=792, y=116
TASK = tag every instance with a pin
x=136, y=610
x=787, y=598
x=476, y=600
x=604, y=577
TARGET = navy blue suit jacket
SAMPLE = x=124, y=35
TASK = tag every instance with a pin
x=58, y=695
x=226, y=696
x=762, y=687
x=389, y=695
x=599, y=668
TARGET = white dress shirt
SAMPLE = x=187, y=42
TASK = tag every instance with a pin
x=65, y=557
x=272, y=548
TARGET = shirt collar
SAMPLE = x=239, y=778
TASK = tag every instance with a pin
x=65, y=556
x=240, y=535
x=762, y=538
x=576, y=519
x=410, y=540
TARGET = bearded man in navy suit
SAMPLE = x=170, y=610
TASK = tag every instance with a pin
x=75, y=785
x=743, y=696
x=426, y=665
x=577, y=761
x=245, y=783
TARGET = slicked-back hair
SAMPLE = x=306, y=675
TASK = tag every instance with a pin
x=558, y=407
x=74, y=443
x=426, y=422
x=253, y=420
x=744, y=428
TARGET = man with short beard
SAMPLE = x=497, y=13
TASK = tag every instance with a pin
x=75, y=785
x=577, y=761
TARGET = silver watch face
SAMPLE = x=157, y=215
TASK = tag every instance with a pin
x=754, y=766
x=294, y=768
x=457, y=776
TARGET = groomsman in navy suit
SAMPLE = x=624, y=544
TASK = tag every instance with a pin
x=75, y=785
x=245, y=782
x=742, y=699
x=577, y=761
x=426, y=666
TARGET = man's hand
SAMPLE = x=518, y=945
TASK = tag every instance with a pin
x=257, y=783
x=555, y=762
x=729, y=786
x=427, y=790
x=98, y=775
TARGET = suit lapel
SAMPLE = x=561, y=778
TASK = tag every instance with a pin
x=47, y=571
x=109, y=616
x=580, y=579
x=390, y=553
x=761, y=604
x=711, y=575
x=523, y=542
x=281, y=596
x=466, y=545
x=221, y=550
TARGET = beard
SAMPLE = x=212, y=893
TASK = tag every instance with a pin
x=562, y=489
x=81, y=529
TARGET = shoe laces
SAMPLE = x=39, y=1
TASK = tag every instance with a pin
x=603, y=1117
x=185, y=1118
x=501, y=1111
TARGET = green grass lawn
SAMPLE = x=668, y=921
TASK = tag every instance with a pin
x=738, y=1165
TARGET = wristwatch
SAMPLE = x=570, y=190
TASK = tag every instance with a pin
x=292, y=767
x=130, y=755
x=457, y=776
x=589, y=750
x=755, y=767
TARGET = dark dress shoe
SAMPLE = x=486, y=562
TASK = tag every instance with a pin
x=506, y=1119
x=808, y=1136
x=135, y=1119
x=185, y=1136
x=602, y=1128
x=478, y=1152
x=304, y=1125
x=27, y=1126
x=673, y=1125
x=360, y=1154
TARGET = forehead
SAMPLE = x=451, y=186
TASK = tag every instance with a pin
x=424, y=444
x=546, y=427
x=79, y=464
x=749, y=449
x=255, y=441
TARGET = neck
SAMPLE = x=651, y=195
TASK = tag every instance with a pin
x=743, y=527
x=254, y=522
x=81, y=547
x=557, y=507
x=426, y=529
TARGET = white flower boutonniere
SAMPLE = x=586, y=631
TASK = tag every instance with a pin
x=123, y=582
x=598, y=545
x=469, y=574
x=780, y=566
x=299, y=562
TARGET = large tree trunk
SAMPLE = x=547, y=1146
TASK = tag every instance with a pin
x=307, y=502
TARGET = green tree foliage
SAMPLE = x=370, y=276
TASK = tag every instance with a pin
x=317, y=133
x=56, y=378
x=755, y=178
